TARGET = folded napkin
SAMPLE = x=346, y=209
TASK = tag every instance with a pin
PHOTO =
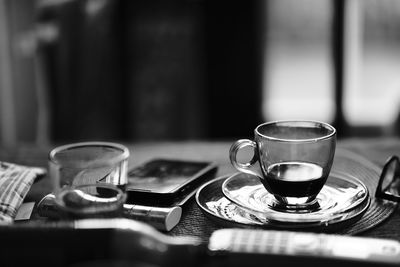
x=15, y=182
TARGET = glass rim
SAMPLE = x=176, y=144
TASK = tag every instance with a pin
x=119, y=158
x=332, y=131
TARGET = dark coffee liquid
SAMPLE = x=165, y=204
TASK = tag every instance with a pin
x=294, y=179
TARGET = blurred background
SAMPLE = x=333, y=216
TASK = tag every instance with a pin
x=74, y=70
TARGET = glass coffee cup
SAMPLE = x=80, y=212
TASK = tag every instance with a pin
x=295, y=159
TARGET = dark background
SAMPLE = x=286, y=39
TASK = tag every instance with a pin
x=141, y=70
x=150, y=70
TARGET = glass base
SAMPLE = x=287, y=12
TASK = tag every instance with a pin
x=90, y=201
x=295, y=204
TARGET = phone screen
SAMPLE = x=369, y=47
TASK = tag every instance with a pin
x=163, y=176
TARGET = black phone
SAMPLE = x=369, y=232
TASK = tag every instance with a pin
x=166, y=182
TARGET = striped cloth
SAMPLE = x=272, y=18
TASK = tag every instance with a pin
x=15, y=182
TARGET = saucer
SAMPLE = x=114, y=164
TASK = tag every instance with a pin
x=341, y=194
x=215, y=205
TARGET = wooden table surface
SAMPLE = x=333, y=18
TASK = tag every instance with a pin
x=193, y=222
x=376, y=150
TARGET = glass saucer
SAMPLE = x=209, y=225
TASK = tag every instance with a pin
x=218, y=208
x=341, y=194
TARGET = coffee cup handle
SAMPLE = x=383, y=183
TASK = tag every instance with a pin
x=244, y=166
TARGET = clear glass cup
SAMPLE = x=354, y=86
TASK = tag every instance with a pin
x=78, y=172
x=295, y=159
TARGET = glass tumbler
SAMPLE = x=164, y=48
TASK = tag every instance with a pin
x=77, y=171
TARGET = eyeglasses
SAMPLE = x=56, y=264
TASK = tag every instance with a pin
x=389, y=181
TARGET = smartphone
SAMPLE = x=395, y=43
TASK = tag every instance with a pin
x=166, y=182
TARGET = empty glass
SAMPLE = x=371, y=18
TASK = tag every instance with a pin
x=76, y=171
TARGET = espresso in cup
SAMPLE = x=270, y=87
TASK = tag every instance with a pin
x=295, y=158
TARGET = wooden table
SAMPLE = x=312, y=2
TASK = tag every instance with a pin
x=376, y=150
